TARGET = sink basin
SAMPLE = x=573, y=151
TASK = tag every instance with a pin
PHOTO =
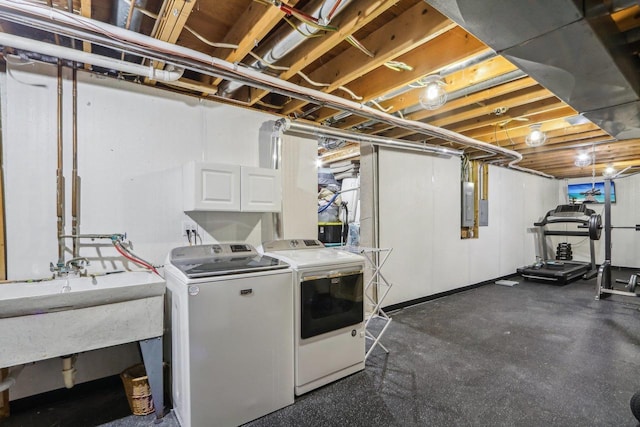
x=25, y=298
x=41, y=320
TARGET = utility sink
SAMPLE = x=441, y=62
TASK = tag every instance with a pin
x=25, y=298
x=41, y=320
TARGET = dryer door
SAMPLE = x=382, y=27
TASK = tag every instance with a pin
x=331, y=302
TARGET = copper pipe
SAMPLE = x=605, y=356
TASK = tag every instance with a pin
x=75, y=179
x=60, y=177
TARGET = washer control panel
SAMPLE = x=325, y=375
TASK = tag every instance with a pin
x=216, y=250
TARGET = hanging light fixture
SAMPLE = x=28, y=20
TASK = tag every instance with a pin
x=536, y=137
x=583, y=159
x=433, y=95
x=609, y=171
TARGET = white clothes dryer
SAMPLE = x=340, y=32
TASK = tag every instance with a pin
x=329, y=310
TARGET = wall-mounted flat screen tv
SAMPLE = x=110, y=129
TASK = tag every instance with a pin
x=588, y=193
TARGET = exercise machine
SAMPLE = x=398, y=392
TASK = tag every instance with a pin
x=562, y=272
x=604, y=285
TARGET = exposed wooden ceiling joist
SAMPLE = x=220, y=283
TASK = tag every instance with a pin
x=480, y=86
x=452, y=47
x=414, y=27
x=248, y=31
x=353, y=18
x=171, y=20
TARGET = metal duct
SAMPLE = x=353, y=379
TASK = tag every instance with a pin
x=286, y=125
x=120, y=14
x=466, y=91
x=287, y=39
x=571, y=47
x=477, y=59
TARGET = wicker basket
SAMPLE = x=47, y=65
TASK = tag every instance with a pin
x=136, y=386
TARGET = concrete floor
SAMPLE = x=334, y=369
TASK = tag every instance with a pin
x=528, y=355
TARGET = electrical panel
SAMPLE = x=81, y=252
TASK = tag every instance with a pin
x=483, y=214
x=468, y=193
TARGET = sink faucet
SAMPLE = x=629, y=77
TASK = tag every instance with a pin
x=76, y=264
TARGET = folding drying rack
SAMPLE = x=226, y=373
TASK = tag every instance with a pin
x=375, y=291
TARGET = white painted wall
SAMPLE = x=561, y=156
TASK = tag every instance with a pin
x=133, y=141
x=625, y=244
x=420, y=219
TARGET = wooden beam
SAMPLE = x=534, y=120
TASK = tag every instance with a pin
x=486, y=70
x=475, y=128
x=605, y=152
x=171, y=20
x=194, y=85
x=355, y=16
x=453, y=47
x=512, y=100
x=351, y=151
x=414, y=27
x=4, y=396
x=254, y=24
x=476, y=104
x=627, y=19
x=558, y=132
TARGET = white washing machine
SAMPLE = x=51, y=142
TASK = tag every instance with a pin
x=230, y=311
x=329, y=310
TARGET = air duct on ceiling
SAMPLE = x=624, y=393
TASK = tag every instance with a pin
x=285, y=40
x=571, y=47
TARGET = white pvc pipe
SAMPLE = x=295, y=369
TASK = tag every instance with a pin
x=68, y=371
x=8, y=382
x=89, y=58
x=207, y=64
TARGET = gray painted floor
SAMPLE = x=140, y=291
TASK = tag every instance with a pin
x=528, y=355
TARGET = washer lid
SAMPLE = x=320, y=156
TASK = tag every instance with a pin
x=221, y=259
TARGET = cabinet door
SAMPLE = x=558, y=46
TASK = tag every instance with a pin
x=212, y=187
x=261, y=190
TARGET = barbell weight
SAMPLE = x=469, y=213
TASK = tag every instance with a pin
x=595, y=227
x=635, y=227
x=633, y=282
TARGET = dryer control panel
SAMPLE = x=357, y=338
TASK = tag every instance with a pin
x=288, y=244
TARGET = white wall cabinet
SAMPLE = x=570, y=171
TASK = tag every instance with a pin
x=260, y=190
x=233, y=188
x=211, y=187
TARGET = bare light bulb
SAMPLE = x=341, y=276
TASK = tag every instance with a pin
x=582, y=160
x=433, y=95
x=432, y=91
x=536, y=137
